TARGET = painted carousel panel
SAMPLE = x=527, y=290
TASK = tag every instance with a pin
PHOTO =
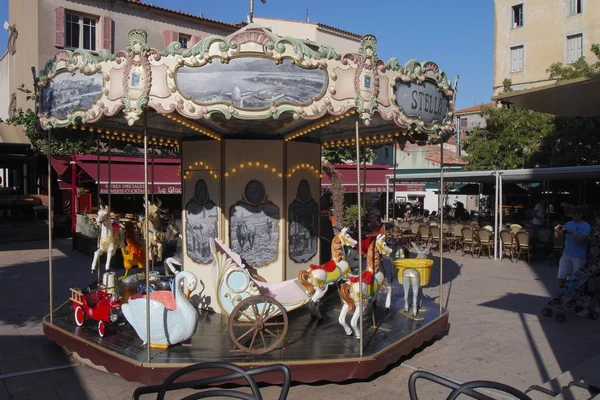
x=251, y=83
x=68, y=92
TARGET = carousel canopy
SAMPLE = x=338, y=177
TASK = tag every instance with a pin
x=251, y=84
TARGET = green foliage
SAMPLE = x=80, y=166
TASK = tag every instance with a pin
x=63, y=142
x=344, y=154
x=511, y=138
x=351, y=214
x=578, y=69
x=507, y=85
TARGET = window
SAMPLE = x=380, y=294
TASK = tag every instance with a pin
x=80, y=31
x=575, y=7
x=463, y=124
x=517, y=55
x=517, y=16
x=574, y=48
x=183, y=41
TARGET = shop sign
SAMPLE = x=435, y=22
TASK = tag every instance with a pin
x=138, y=188
x=423, y=100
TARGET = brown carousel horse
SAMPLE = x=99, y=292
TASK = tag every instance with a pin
x=318, y=278
x=371, y=284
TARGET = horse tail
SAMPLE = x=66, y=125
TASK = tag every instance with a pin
x=345, y=293
x=303, y=278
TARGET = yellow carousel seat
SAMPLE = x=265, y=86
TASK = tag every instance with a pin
x=422, y=265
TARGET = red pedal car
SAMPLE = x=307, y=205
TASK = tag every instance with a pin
x=97, y=305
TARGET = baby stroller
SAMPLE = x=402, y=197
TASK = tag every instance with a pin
x=576, y=288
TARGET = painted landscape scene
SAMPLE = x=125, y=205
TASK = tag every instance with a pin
x=251, y=83
x=67, y=93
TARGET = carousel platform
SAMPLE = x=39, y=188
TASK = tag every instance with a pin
x=314, y=349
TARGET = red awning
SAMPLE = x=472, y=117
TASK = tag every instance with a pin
x=375, y=180
x=127, y=175
x=60, y=164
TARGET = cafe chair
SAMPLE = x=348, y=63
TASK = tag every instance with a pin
x=509, y=244
x=435, y=234
x=468, y=241
x=485, y=241
x=424, y=235
x=215, y=373
x=524, y=244
x=515, y=228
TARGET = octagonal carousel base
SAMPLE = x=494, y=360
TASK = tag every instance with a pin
x=314, y=349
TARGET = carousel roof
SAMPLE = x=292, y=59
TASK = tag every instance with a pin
x=250, y=84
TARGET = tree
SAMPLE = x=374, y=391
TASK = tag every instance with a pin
x=511, y=138
x=342, y=155
x=578, y=69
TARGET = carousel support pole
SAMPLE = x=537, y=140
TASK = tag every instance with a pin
x=153, y=200
x=501, y=210
x=394, y=181
x=441, y=224
x=109, y=173
x=387, y=198
x=98, y=195
x=50, y=223
x=73, y=199
x=360, y=262
x=147, y=229
x=364, y=178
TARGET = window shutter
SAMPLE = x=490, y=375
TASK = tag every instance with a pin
x=521, y=55
x=107, y=33
x=195, y=39
x=167, y=35
x=572, y=7
x=59, y=27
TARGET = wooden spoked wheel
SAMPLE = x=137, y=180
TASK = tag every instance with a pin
x=258, y=324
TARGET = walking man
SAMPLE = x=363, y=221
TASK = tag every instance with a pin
x=573, y=258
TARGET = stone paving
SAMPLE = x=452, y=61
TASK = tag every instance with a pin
x=497, y=332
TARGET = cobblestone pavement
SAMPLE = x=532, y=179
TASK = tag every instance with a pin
x=497, y=332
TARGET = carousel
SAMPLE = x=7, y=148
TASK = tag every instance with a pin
x=250, y=113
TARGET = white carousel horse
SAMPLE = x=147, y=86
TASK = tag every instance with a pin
x=110, y=238
x=318, y=278
x=411, y=279
x=371, y=285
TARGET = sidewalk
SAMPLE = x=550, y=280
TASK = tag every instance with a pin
x=497, y=332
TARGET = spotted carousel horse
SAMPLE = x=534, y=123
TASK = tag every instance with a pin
x=371, y=284
x=318, y=278
x=110, y=237
x=411, y=277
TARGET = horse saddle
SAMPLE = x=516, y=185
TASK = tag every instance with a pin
x=329, y=266
x=367, y=277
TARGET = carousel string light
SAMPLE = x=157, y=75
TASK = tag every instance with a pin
x=299, y=167
x=370, y=140
x=317, y=125
x=193, y=126
x=198, y=165
x=129, y=137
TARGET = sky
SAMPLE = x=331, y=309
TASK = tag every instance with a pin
x=457, y=35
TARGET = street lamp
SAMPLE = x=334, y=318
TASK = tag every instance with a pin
x=251, y=16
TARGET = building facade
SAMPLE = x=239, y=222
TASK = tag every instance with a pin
x=530, y=35
x=313, y=32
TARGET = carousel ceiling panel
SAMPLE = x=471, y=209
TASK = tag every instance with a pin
x=249, y=83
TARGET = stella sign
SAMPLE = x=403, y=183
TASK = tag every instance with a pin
x=423, y=100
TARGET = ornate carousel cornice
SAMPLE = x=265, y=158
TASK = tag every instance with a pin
x=141, y=77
